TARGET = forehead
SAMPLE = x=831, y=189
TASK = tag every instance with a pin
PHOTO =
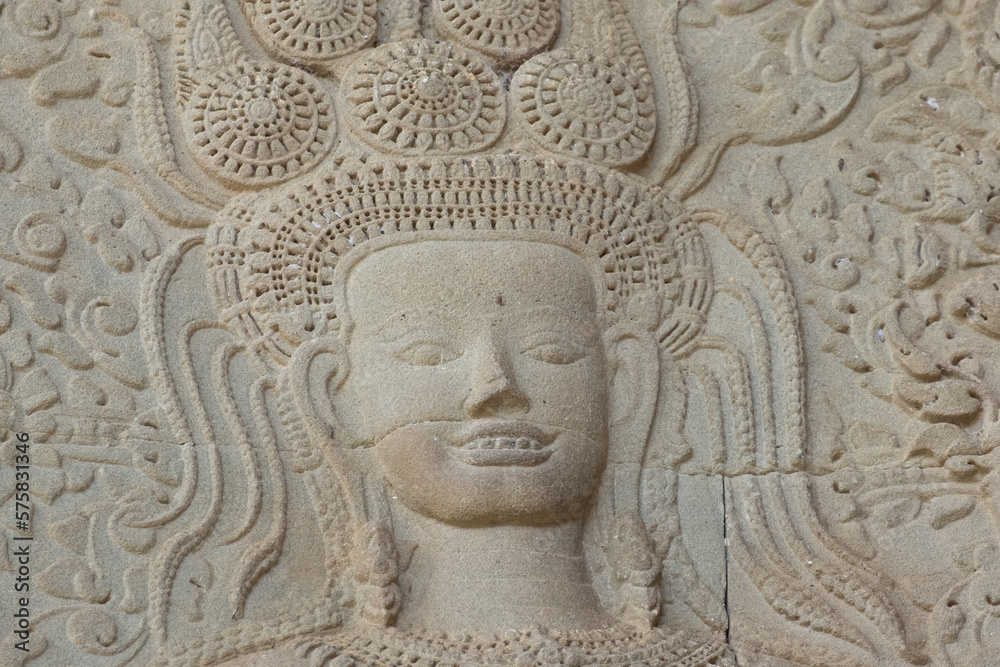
x=469, y=277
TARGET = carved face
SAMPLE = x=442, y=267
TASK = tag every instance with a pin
x=478, y=372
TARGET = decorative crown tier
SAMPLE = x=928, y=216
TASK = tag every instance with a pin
x=274, y=258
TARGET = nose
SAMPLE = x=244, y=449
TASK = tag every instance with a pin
x=494, y=391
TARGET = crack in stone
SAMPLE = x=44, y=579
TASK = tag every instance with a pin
x=725, y=578
x=811, y=473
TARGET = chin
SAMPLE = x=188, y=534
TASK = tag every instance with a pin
x=479, y=475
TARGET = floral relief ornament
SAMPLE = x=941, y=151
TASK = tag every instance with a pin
x=258, y=124
x=418, y=98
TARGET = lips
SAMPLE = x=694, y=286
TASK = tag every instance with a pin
x=504, y=443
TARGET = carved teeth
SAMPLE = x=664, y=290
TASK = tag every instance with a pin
x=504, y=442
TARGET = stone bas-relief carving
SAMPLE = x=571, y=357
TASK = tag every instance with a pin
x=484, y=333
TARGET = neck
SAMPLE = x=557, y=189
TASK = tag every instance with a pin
x=494, y=578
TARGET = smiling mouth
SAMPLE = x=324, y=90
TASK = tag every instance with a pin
x=504, y=443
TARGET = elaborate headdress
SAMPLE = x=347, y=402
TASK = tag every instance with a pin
x=473, y=131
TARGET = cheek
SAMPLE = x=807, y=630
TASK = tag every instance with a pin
x=415, y=455
x=415, y=462
x=572, y=396
x=384, y=394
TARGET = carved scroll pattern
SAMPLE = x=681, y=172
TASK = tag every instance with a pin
x=893, y=241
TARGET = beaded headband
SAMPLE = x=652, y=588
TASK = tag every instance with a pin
x=273, y=263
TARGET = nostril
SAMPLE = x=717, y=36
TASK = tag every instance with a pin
x=493, y=390
x=498, y=399
x=509, y=403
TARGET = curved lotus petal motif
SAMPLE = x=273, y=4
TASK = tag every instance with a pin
x=585, y=106
x=254, y=124
x=313, y=30
x=418, y=98
x=508, y=30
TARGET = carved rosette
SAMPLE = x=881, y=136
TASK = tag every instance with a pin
x=585, y=106
x=312, y=30
x=507, y=30
x=253, y=124
x=418, y=98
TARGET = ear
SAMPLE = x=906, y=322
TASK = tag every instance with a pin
x=634, y=369
x=318, y=370
x=317, y=373
x=634, y=372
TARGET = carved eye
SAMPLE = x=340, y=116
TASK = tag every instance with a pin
x=552, y=351
x=426, y=353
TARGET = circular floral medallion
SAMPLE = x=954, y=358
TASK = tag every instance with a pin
x=254, y=124
x=508, y=30
x=418, y=97
x=313, y=30
x=585, y=106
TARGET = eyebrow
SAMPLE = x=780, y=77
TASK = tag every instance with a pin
x=403, y=322
x=574, y=326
